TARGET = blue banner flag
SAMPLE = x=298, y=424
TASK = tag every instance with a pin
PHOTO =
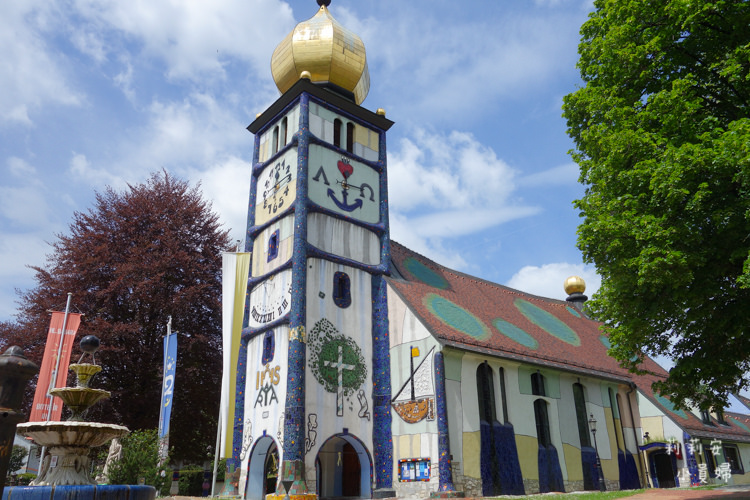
x=167, y=389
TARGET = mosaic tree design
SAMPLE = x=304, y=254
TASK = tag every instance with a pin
x=336, y=362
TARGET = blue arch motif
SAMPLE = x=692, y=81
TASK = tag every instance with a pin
x=547, y=322
x=456, y=317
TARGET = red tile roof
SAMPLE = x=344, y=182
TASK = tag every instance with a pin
x=468, y=314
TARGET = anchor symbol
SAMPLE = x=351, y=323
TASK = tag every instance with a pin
x=346, y=170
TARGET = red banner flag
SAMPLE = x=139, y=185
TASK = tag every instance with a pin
x=40, y=408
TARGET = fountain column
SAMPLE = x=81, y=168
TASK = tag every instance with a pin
x=15, y=372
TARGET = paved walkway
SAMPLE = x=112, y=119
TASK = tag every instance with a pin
x=679, y=494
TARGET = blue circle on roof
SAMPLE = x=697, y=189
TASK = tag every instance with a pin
x=605, y=340
x=456, y=317
x=514, y=333
x=547, y=322
x=573, y=312
x=425, y=274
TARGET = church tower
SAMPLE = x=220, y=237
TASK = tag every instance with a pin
x=313, y=397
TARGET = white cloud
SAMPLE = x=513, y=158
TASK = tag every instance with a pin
x=461, y=68
x=21, y=169
x=447, y=186
x=547, y=280
x=31, y=75
x=555, y=176
x=453, y=171
x=227, y=185
x=195, y=38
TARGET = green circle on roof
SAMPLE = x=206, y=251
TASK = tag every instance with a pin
x=424, y=273
x=456, y=317
x=573, y=312
x=738, y=423
x=668, y=405
x=547, y=322
x=514, y=333
x=605, y=340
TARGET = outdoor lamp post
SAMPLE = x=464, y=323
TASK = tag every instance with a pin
x=592, y=426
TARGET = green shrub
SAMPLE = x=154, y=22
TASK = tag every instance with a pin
x=140, y=459
x=191, y=481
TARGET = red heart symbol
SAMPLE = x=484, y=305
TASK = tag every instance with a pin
x=345, y=168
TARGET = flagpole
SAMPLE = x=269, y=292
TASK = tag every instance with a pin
x=57, y=367
x=217, y=452
x=164, y=445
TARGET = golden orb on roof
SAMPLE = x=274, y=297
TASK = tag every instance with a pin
x=574, y=284
x=327, y=51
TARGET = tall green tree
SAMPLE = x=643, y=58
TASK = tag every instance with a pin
x=662, y=137
x=17, y=460
x=132, y=261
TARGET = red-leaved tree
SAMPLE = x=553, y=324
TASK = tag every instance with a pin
x=132, y=261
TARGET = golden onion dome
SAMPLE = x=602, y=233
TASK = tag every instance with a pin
x=574, y=284
x=327, y=51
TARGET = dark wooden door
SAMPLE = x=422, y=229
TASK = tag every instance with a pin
x=351, y=474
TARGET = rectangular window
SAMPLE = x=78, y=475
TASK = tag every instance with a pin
x=732, y=455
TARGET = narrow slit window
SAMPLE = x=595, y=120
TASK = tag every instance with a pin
x=579, y=399
x=269, y=346
x=486, y=393
x=337, y=133
x=283, y=131
x=273, y=246
x=542, y=422
x=350, y=137
x=342, y=295
x=275, y=140
x=501, y=373
x=537, y=384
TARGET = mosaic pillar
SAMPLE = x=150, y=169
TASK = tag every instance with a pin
x=445, y=486
x=292, y=474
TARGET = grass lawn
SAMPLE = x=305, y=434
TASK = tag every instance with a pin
x=589, y=495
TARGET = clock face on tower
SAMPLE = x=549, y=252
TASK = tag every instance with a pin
x=271, y=299
x=343, y=185
x=276, y=188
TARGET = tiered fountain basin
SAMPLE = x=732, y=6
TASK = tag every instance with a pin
x=68, y=445
x=65, y=473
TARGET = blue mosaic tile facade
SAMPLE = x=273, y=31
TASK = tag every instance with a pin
x=294, y=424
x=628, y=471
x=550, y=474
x=81, y=492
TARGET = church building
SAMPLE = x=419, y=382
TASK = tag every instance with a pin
x=365, y=370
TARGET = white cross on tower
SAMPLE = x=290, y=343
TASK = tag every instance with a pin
x=340, y=367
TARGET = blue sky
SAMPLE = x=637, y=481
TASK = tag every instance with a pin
x=102, y=93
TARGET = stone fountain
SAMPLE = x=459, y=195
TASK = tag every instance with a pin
x=67, y=464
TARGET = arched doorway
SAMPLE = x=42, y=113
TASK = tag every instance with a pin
x=343, y=468
x=663, y=468
x=263, y=469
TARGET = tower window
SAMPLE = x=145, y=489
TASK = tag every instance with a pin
x=269, y=346
x=537, y=384
x=337, y=133
x=283, y=131
x=275, y=140
x=342, y=295
x=273, y=246
x=350, y=137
